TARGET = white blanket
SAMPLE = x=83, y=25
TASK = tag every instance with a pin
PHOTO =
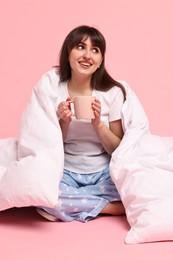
x=142, y=169
x=31, y=165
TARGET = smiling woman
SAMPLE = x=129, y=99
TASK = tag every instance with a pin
x=85, y=57
x=88, y=144
x=100, y=80
x=84, y=60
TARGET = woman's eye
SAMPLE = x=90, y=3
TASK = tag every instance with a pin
x=80, y=47
x=95, y=50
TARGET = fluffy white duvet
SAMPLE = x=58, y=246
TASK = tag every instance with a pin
x=31, y=165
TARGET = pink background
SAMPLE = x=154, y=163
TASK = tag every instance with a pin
x=139, y=50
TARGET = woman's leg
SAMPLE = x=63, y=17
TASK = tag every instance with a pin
x=75, y=203
x=85, y=196
x=115, y=208
x=106, y=188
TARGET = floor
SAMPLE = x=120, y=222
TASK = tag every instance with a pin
x=25, y=235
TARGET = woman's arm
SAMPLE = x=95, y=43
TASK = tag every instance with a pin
x=64, y=128
x=110, y=137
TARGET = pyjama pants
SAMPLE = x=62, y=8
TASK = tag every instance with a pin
x=83, y=196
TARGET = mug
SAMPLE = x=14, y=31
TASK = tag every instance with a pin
x=83, y=107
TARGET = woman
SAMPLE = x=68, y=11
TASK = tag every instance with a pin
x=86, y=189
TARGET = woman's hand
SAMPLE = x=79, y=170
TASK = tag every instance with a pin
x=96, y=106
x=63, y=111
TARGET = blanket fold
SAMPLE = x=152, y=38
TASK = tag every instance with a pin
x=142, y=169
x=32, y=164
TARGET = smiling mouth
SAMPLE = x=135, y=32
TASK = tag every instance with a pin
x=85, y=65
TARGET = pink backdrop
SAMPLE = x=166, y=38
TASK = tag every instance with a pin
x=139, y=50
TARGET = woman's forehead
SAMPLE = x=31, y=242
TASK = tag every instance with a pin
x=86, y=37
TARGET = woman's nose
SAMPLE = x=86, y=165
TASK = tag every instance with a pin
x=87, y=54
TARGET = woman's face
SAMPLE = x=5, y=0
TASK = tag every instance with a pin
x=85, y=58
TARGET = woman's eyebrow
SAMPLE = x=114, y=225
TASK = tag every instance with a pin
x=82, y=42
x=93, y=45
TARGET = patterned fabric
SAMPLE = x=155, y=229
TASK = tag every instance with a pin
x=83, y=196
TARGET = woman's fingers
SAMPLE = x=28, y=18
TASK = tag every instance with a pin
x=63, y=110
x=97, y=107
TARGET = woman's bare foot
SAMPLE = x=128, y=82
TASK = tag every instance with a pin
x=114, y=208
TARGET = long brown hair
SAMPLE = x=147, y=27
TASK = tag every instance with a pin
x=100, y=79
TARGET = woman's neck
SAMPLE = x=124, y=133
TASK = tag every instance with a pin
x=79, y=87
